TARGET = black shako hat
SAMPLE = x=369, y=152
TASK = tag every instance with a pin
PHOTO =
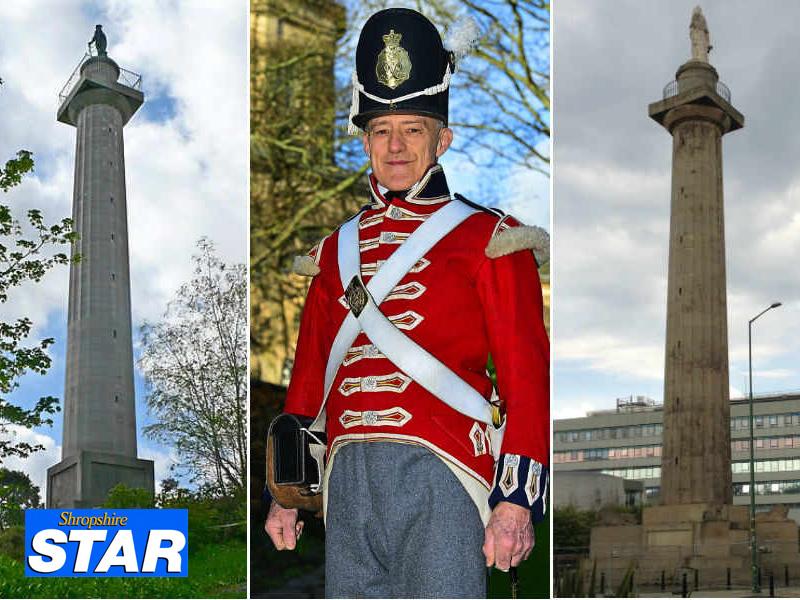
x=402, y=66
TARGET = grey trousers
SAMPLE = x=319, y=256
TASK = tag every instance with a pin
x=400, y=525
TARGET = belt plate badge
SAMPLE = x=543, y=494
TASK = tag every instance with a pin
x=356, y=296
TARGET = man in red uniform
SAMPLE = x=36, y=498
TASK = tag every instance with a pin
x=424, y=505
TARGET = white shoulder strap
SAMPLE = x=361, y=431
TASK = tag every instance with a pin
x=439, y=224
x=419, y=364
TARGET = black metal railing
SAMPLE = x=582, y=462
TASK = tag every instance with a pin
x=671, y=89
x=126, y=77
x=723, y=91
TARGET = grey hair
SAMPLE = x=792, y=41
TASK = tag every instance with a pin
x=439, y=125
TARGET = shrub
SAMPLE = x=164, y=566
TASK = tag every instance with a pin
x=122, y=496
x=12, y=542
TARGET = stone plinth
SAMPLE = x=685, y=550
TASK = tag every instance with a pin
x=83, y=480
x=710, y=539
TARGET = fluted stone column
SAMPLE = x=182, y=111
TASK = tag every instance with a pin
x=696, y=455
x=99, y=441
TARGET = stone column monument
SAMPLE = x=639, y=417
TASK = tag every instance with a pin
x=99, y=441
x=696, y=529
x=696, y=456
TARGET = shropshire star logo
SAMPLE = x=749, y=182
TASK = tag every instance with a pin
x=394, y=65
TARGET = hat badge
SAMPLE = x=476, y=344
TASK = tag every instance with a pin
x=394, y=64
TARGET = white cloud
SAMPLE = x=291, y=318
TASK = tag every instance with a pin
x=735, y=392
x=163, y=460
x=35, y=466
x=579, y=407
x=613, y=355
x=527, y=197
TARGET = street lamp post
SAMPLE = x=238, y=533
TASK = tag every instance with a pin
x=753, y=546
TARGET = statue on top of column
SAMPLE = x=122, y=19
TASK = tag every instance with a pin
x=698, y=34
x=99, y=41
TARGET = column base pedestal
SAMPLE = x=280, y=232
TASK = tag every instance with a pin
x=711, y=540
x=84, y=480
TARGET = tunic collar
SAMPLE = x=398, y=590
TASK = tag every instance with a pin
x=431, y=189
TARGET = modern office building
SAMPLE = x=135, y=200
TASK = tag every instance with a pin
x=626, y=441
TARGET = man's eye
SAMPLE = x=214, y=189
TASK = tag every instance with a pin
x=380, y=132
x=413, y=131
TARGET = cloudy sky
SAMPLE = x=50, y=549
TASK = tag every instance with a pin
x=612, y=192
x=185, y=152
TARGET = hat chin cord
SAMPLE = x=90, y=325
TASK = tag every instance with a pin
x=352, y=129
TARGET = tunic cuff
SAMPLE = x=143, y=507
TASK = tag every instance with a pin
x=522, y=481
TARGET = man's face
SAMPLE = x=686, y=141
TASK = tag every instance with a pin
x=402, y=147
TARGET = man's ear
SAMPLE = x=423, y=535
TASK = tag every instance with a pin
x=445, y=139
x=365, y=142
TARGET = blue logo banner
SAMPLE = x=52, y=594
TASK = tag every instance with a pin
x=106, y=543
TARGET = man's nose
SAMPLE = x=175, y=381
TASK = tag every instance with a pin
x=396, y=141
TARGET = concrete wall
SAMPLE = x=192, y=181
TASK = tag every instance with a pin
x=587, y=490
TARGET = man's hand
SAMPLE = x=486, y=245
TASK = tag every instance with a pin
x=283, y=527
x=509, y=536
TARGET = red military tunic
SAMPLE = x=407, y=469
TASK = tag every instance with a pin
x=461, y=306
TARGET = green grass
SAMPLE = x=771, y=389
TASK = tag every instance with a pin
x=215, y=571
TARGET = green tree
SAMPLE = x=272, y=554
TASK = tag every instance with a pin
x=17, y=493
x=572, y=529
x=305, y=172
x=27, y=253
x=122, y=496
x=194, y=361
